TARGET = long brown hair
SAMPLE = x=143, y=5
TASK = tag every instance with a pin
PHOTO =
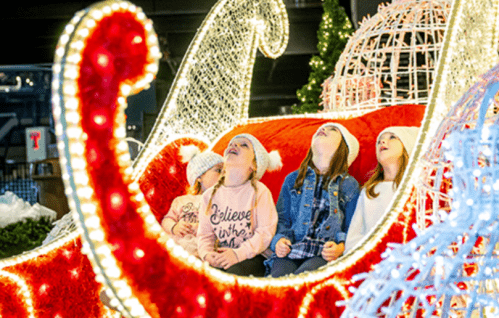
x=378, y=176
x=338, y=165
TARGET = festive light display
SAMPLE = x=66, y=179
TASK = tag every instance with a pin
x=107, y=53
x=145, y=274
x=55, y=280
x=333, y=34
x=452, y=268
x=390, y=59
x=463, y=60
x=210, y=93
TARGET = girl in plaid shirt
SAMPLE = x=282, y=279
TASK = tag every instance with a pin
x=316, y=204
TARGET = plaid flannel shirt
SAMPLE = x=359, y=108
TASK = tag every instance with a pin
x=311, y=246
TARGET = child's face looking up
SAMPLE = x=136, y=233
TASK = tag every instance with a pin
x=389, y=149
x=239, y=153
x=326, y=139
x=210, y=177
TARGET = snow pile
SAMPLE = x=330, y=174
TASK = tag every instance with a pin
x=14, y=209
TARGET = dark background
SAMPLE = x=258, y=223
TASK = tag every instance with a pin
x=30, y=34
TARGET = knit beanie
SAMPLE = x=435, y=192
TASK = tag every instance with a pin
x=407, y=135
x=264, y=160
x=198, y=162
x=351, y=141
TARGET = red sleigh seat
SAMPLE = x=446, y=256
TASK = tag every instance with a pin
x=164, y=179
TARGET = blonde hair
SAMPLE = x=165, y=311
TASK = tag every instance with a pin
x=338, y=165
x=378, y=176
x=196, y=188
x=253, y=179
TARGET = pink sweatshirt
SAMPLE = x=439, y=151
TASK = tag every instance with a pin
x=185, y=207
x=233, y=220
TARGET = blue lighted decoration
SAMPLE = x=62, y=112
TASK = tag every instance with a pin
x=451, y=269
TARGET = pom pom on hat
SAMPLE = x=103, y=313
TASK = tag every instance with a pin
x=275, y=161
x=199, y=162
x=350, y=140
x=188, y=152
x=264, y=160
x=407, y=135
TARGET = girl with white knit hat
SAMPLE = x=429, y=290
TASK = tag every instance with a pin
x=316, y=204
x=393, y=147
x=203, y=171
x=238, y=216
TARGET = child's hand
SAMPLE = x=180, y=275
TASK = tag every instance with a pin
x=182, y=228
x=283, y=247
x=194, y=227
x=212, y=259
x=226, y=257
x=332, y=251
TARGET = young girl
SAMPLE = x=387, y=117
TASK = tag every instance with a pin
x=394, y=144
x=203, y=171
x=238, y=217
x=316, y=204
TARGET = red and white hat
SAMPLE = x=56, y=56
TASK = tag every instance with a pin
x=265, y=161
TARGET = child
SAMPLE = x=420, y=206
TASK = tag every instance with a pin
x=394, y=144
x=238, y=217
x=316, y=204
x=203, y=171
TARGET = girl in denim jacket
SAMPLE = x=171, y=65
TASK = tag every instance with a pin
x=316, y=204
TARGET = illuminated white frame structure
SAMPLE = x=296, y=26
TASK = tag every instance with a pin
x=456, y=71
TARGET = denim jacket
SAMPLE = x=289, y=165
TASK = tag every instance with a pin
x=294, y=208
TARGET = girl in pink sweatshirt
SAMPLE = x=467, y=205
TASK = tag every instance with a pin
x=238, y=217
x=203, y=171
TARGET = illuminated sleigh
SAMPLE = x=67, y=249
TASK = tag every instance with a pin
x=145, y=273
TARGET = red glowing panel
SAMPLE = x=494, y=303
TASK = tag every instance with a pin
x=35, y=136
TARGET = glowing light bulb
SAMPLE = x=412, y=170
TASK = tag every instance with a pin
x=103, y=60
x=43, y=289
x=201, y=299
x=100, y=119
x=138, y=253
x=228, y=297
x=137, y=39
x=116, y=200
x=75, y=273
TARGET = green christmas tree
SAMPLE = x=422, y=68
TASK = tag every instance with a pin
x=334, y=31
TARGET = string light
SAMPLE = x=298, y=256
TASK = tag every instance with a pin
x=68, y=95
x=389, y=60
x=224, y=102
x=75, y=172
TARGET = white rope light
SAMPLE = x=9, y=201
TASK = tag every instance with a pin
x=390, y=60
x=211, y=92
x=71, y=139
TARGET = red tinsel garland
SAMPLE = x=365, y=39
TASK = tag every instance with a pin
x=61, y=283
x=115, y=53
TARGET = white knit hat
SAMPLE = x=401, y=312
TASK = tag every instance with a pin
x=351, y=141
x=264, y=160
x=198, y=162
x=407, y=135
